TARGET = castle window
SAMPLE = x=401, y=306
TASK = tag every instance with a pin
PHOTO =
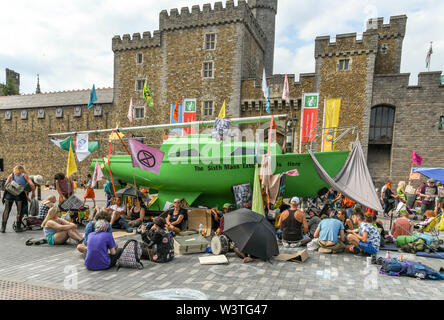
x=384, y=49
x=276, y=104
x=253, y=104
x=208, y=108
x=344, y=64
x=284, y=103
x=140, y=84
x=139, y=113
x=210, y=41
x=208, y=70
x=260, y=105
x=139, y=58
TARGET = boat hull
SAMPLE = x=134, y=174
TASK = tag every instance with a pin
x=209, y=184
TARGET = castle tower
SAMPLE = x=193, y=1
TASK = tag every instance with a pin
x=265, y=14
x=37, y=90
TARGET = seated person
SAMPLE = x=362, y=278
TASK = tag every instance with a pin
x=313, y=222
x=246, y=258
x=291, y=222
x=402, y=226
x=158, y=240
x=103, y=215
x=102, y=253
x=215, y=219
x=227, y=208
x=430, y=215
x=136, y=214
x=176, y=217
x=330, y=233
x=58, y=230
x=118, y=211
x=342, y=216
x=45, y=206
x=368, y=239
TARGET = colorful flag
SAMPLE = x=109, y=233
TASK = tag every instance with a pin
x=130, y=111
x=82, y=151
x=292, y=173
x=268, y=109
x=147, y=95
x=264, y=84
x=415, y=176
x=309, y=117
x=429, y=57
x=222, y=112
x=189, y=115
x=220, y=129
x=416, y=158
x=92, y=97
x=145, y=157
x=65, y=144
x=71, y=167
x=178, y=131
x=331, y=120
x=258, y=202
x=176, y=111
x=98, y=174
x=286, y=92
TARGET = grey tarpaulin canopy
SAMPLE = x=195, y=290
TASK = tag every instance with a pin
x=354, y=180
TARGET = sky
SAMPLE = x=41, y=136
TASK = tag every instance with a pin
x=68, y=43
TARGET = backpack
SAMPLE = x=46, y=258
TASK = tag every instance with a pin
x=393, y=267
x=34, y=208
x=130, y=256
x=415, y=246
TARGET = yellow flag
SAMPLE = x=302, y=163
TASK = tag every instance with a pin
x=331, y=117
x=72, y=167
x=222, y=112
x=114, y=136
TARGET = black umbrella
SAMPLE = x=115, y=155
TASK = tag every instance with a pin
x=130, y=191
x=252, y=233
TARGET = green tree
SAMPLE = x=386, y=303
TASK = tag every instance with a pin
x=10, y=88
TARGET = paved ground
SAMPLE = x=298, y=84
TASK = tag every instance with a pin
x=46, y=271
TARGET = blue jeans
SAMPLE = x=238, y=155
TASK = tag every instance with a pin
x=123, y=224
x=367, y=247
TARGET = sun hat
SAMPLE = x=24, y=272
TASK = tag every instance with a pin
x=38, y=179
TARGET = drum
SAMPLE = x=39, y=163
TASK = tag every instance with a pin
x=219, y=245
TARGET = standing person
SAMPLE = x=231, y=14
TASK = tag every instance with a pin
x=440, y=197
x=176, y=217
x=102, y=252
x=20, y=177
x=389, y=198
x=428, y=193
x=58, y=230
x=401, y=190
x=108, y=188
x=293, y=224
x=368, y=239
x=89, y=194
x=64, y=186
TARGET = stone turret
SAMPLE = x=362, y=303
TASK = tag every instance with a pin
x=265, y=13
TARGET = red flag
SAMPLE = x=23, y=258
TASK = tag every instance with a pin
x=176, y=111
x=416, y=158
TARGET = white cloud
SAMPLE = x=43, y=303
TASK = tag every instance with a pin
x=69, y=42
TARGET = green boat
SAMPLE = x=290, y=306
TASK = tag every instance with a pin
x=203, y=170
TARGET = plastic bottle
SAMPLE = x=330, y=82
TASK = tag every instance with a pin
x=387, y=255
x=201, y=226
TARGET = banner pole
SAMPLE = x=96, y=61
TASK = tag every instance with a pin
x=323, y=125
x=109, y=165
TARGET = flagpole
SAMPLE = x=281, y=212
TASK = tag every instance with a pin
x=323, y=125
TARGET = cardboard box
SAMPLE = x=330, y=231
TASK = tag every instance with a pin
x=298, y=257
x=211, y=260
x=190, y=244
x=198, y=216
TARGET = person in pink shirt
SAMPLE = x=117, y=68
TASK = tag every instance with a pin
x=402, y=226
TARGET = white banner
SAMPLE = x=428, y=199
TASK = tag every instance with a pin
x=82, y=146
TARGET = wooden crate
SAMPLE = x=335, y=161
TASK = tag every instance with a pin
x=190, y=244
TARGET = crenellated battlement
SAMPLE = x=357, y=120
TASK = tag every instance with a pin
x=217, y=15
x=346, y=44
x=394, y=29
x=136, y=42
